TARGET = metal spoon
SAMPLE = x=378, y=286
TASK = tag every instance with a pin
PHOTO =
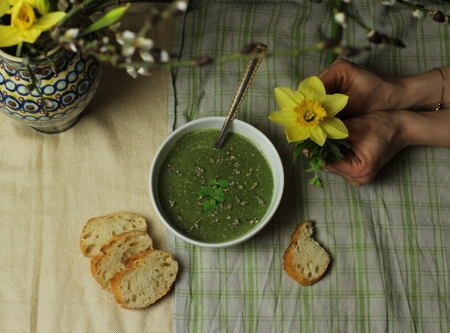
x=247, y=76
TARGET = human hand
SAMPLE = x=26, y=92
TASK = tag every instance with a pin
x=367, y=91
x=374, y=138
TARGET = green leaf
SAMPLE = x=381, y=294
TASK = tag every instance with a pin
x=207, y=206
x=316, y=163
x=43, y=6
x=108, y=19
x=313, y=180
x=299, y=147
x=213, y=201
x=224, y=183
x=318, y=182
x=219, y=191
x=213, y=181
x=205, y=191
x=219, y=198
x=341, y=142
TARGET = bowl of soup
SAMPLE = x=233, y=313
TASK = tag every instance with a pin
x=216, y=197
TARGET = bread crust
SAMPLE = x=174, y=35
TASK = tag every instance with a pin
x=302, y=233
x=91, y=247
x=136, y=263
x=110, y=251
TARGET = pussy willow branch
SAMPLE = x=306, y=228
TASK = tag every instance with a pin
x=75, y=10
x=35, y=87
x=336, y=30
x=321, y=46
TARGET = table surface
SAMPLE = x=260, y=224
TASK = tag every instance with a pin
x=52, y=184
x=387, y=240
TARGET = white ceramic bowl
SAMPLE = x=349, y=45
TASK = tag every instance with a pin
x=250, y=132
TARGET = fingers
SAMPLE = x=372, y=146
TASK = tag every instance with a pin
x=333, y=76
x=348, y=170
x=323, y=73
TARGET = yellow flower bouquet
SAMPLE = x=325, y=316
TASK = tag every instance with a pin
x=51, y=55
x=308, y=116
x=30, y=28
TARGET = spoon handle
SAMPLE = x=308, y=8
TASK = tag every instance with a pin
x=247, y=76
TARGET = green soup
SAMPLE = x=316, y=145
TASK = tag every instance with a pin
x=215, y=195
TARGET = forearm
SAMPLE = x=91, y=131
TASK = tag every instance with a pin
x=422, y=91
x=426, y=128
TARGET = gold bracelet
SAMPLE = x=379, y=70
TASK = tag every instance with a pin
x=441, y=102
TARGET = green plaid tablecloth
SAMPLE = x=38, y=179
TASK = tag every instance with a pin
x=389, y=240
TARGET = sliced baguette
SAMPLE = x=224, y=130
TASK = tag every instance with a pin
x=304, y=260
x=148, y=277
x=99, y=230
x=115, y=253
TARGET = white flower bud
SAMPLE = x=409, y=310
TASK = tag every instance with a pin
x=147, y=57
x=128, y=36
x=119, y=39
x=71, y=33
x=26, y=61
x=132, y=71
x=181, y=5
x=341, y=19
x=164, y=56
x=144, y=43
x=419, y=14
x=144, y=71
x=73, y=48
x=127, y=51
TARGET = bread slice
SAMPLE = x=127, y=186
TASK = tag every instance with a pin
x=116, y=252
x=99, y=230
x=148, y=277
x=304, y=260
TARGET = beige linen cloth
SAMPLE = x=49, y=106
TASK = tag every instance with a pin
x=52, y=184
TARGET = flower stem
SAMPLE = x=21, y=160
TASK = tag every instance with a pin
x=336, y=31
x=101, y=7
x=33, y=82
x=19, y=49
x=415, y=7
x=74, y=10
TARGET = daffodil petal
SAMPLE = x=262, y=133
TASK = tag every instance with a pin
x=29, y=35
x=333, y=103
x=318, y=135
x=285, y=117
x=312, y=88
x=4, y=7
x=297, y=133
x=47, y=21
x=287, y=98
x=335, y=128
x=14, y=10
x=9, y=36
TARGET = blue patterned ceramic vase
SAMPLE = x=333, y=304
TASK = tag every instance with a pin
x=67, y=90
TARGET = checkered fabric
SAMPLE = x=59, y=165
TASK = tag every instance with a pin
x=388, y=240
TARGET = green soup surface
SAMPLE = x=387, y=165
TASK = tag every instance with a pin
x=215, y=195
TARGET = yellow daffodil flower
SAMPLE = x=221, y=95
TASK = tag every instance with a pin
x=25, y=27
x=309, y=112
